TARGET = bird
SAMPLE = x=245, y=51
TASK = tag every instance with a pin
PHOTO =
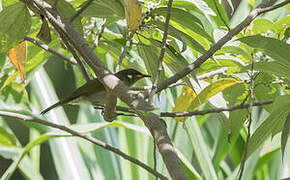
x=94, y=92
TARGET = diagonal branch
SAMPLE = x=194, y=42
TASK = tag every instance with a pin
x=162, y=53
x=189, y=68
x=89, y=138
x=54, y=52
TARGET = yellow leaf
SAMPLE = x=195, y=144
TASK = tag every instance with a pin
x=18, y=56
x=188, y=100
x=133, y=13
x=184, y=101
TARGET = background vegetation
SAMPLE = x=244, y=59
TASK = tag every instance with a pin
x=242, y=86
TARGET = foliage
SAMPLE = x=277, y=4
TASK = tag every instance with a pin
x=209, y=146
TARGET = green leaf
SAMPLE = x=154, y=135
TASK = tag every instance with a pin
x=285, y=134
x=6, y=138
x=272, y=125
x=276, y=49
x=9, y=152
x=261, y=25
x=105, y=9
x=234, y=50
x=8, y=173
x=150, y=56
x=183, y=37
x=67, y=11
x=282, y=23
x=200, y=149
x=221, y=10
x=272, y=68
x=185, y=19
x=15, y=25
x=189, y=169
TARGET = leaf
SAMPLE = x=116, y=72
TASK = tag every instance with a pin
x=285, y=134
x=8, y=173
x=6, y=138
x=282, y=23
x=184, y=101
x=261, y=25
x=272, y=125
x=133, y=13
x=272, y=68
x=276, y=49
x=188, y=167
x=201, y=150
x=216, y=17
x=183, y=37
x=18, y=56
x=44, y=32
x=185, y=20
x=15, y=25
x=150, y=57
x=112, y=10
x=210, y=91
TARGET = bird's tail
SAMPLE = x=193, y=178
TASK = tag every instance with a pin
x=51, y=107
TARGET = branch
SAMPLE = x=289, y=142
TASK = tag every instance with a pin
x=83, y=136
x=250, y=109
x=45, y=47
x=162, y=53
x=215, y=110
x=189, y=68
x=124, y=52
x=156, y=126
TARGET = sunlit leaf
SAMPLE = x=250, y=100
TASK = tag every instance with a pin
x=18, y=56
x=183, y=101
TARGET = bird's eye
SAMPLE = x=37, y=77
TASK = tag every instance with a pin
x=130, y=76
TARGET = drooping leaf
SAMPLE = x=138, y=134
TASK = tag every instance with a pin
x=184, y=101
x=276, y=49
x=188, y=20
x=133, y=13
x=285, y=134
x=18, y=56
x=272, y=125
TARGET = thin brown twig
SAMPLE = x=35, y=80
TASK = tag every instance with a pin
x=250, y=109
x=89, y=138
x=189, y=68
x=220, y=15
x=45, y=47
x=214, y=110
x=195, y=113
x=124, y=52
x=84, y=7
x=162, y=52
x=100, y=34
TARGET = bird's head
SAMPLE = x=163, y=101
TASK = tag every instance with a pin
x=130, y=76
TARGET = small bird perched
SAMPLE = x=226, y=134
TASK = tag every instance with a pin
x=94, y=92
